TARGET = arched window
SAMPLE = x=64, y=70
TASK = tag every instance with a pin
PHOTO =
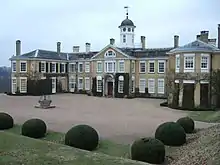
x=124, y=38
x=120, y=84
x=129, y=29
x=110, y=53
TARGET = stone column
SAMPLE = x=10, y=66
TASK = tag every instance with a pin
x=103, y=87
x=113, y=91
x=197, y=94
x=130, y=79
x=180, y=93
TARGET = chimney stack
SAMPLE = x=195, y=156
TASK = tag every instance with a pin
x=58, y=48
x=112, y=41
x=75, y=49
x=143, y=42
x=219, y=36
x=204, y=36
x=88, y=47
x=176, y=41
x=198, y=37
x=18, y=47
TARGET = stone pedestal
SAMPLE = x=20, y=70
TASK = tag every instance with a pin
x=45, y=102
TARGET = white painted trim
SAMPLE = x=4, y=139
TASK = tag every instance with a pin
x=87, y=63
x=80, y=78
x=140, y=66
x=205, y=70
x=153, y=90
x=189, y=54
x=160, y=79
x=70, y=71
x=13, y=78
x=107, y=52
x=114, y=66
x=151, y=58
x=87, y=87
x=99, y=77
x=79, y=67
x=161, y=61
x=103, y=59
x=133, y=62
x=13, y=71
x=177, y=81
x=188, y=81
x=204, y=82
x=119, y=91
x=26, y=66
x=186, y=70
x=55, y=84
x=151, y=61
x=23, y=78
x=119, y=61
x=142, y=79
x=43, y=62
x=99, y=62
x=121, y=78
x=64, y=67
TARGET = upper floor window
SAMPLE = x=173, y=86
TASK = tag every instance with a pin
x=110, y=66
x=72, y=67
x=133, y=66
x=121, y=66
x=53, y=67
x=80, y=66
x=43, y=66
x=110, y=53
x=99, y=66
x=177, y=63
x=189, y=63
x=142, y=68
x=124, y=38
x=23, y=66
x=87, y=67
x=62, y=68
x=151, y=66
x=161, y=66
x=204, y=63
x=13, y=66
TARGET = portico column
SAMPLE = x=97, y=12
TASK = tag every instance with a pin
x=197, y=94
x=113, y=91
x=103, y=87
x=181, y=86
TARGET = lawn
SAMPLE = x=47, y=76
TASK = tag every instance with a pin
x=16, y=149
x=206, y=116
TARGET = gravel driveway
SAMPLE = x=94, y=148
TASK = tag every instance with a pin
x=121, y=120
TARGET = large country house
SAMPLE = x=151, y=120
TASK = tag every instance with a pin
x=119, y=70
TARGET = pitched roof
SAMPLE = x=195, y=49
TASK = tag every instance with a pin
x=82, y=55
x=195, y=46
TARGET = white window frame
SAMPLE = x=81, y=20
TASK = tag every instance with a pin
x=112, y=54
x=12, y=66
x=121, y=84
x=99, y=70
x=55, y=67
x=44, y=66
x=72, y=67
x=160, y=89
x=140, y=88
x=121, y=62
x=177, y=63
x=164, y=64
x=80, y=63
x=87, y=67
x=80, y=86
x=72, y=81
x=107, y=67
x=133, y=66
x=99, y=86
x=151, y=90
x=25, y=66
x=87, y=84
x=208, y=59
x=142, y=62
x=21, y=90
x=191, y=69
x=64, y=68
x=13, y=91
x=151, y=62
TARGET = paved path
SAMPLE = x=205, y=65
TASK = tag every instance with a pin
x=121, y=120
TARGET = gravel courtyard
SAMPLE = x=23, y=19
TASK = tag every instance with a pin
x=121, y=120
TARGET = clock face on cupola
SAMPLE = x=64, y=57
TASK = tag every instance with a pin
x=127, y=32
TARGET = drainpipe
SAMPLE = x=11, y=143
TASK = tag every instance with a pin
x=210, y=82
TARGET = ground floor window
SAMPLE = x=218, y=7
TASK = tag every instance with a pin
x=87, y=83
x=14, y=85
x=23, y=84
x=160, y=89
x=80, y=83
x=72, y=83
x=133, y=85
x=142, y=85
x=151, y=85
x=99, y=85
x=120, y=84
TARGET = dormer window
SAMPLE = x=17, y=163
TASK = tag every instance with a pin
x=110, y=53
x=124, y=38
x=129, y=29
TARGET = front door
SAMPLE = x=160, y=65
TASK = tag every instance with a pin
x=110, y=88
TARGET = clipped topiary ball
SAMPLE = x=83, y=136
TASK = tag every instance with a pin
x=83, y=137
x=6, y=121
x=148, y=150
x=171, y=134
x=34, y=128
x=187, y=123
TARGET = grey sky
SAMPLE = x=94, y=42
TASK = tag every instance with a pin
x=41, y=23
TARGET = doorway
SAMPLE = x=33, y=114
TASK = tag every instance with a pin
x=110, y=88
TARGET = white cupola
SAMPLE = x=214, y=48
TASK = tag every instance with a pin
x=127, y=28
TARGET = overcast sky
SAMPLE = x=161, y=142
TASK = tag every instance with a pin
x=41, y=23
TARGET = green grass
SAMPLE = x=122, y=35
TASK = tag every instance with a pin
x=105, y=146
x=206, y=116
x=16, y=150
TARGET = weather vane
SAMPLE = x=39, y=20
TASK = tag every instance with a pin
x=126, y=7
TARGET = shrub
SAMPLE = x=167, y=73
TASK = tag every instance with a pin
x=83, y=137
x=187, y=123
x=171, y=134
x=6, y=121
x=148, y=150
x=34, y=128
